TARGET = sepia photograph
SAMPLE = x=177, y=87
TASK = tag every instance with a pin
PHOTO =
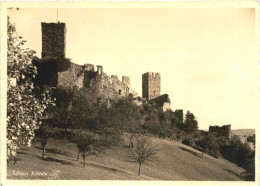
x=151, y=92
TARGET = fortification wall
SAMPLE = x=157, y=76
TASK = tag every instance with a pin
x=224, y=131
x=73, y=76
x=179, y=114
x=104, y=85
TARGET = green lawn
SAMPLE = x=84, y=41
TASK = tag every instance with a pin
x=175, y=162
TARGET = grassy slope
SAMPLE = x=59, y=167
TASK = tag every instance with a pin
x=176, y=162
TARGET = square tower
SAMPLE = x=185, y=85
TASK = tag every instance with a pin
x=151, y=85
x=53, y=40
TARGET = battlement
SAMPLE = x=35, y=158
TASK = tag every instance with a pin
x=152, y=75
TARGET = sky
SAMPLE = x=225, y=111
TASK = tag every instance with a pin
x=206, y=56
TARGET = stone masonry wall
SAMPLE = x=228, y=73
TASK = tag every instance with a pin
x=104, y=85
x=224, y=131
x=74, y=76
x=151, y=85
x=53, y=40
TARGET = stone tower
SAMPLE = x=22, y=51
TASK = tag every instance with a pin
x=151, y=85
x=53, y=40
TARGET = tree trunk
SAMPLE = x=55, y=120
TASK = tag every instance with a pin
x=106, y=138
x=66, y=131
x=84, y=159
x=130, y=142
x=43, y=152
x=78, y=156
x=139, y=170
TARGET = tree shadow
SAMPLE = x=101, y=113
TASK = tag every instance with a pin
x=54, y=151
x=18, y=152
x=57, y=151
x=191, y=152
x=50, y=159
x=237, y=175
x=105, y=167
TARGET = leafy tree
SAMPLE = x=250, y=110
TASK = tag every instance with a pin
x=190, y=123
x=62, y=114
x=43, y=134
x=87, y=144
x=127, y=116
x=143, y=152
x=151, y=121
x=210, y=144
x=24, y=109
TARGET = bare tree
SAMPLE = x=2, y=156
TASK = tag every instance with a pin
x=143, y=152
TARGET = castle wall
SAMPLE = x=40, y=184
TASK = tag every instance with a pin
x=74, y=76
x=85, y=76
x=179, y=114
x=224, y=131
x=53, y=40
x=151, y=85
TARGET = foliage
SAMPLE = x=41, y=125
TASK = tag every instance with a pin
x=126, y=116
x=87, y=144
x=43, y=134
x=190, y=123
x=238, y=152
x=61, y=114
x=211, y=145
x=143, y=152
x=24, y=109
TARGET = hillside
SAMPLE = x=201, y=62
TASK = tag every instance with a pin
x=175, y=162
x=243, y=132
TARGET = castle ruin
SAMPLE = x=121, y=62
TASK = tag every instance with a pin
x=69, y=74
x=224, y=131
x=81, y=76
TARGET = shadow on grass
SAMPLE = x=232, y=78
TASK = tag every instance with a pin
x=191, y=152
x=237, y=175
x=54, y=151
x=50, y=159
x=22, y=153
x=105, y=167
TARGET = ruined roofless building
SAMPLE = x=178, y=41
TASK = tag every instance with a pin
x=224, y=131
x=151, y=85
x=53, y=40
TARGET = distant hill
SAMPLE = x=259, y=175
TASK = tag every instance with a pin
x=243, y=132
